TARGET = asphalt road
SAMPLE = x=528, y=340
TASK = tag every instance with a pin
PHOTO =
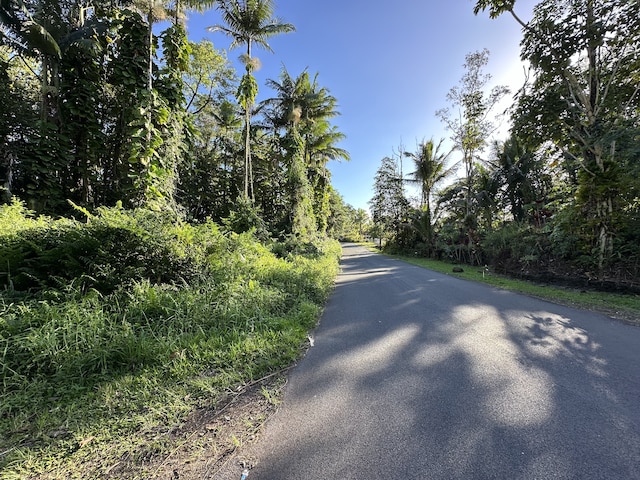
x=418, y=375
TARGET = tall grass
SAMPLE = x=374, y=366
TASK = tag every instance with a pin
x=98, y=362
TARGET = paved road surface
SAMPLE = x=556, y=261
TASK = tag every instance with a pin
x=418, y=375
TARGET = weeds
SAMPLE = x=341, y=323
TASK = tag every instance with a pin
x=100, y=358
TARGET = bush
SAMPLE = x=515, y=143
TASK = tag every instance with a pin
x=566, y=241
x=245, y=217
x=515, y=247
x=114, y=248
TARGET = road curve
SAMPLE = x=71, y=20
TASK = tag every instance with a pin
x=418, y=375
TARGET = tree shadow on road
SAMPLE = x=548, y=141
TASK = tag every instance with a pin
x=416, y=374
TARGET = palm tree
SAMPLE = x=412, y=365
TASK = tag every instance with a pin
x=289, y=112
x=321, y=147
x=430, y=168
x=302, y=104
x=303, y=109
x=320, y=136
x=284, y=111
x=248, y=22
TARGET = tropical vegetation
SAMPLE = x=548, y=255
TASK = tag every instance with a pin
x=166, y=236
x=558, y=199
x=106, y=107
x=118, y=328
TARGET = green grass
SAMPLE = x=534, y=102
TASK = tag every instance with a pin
x=93, y=381
x=622, y=306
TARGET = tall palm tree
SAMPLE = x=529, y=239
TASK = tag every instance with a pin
x=288, y=113
x=284, y=111
x=303, y=109
x=303, y=104
x=430, y=168
x=321, y=147
x=248, y=22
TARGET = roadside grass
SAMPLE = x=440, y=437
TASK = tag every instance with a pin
x=625, y=307
x=95, y=382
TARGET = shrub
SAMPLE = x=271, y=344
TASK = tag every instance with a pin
x=515, y=246
x=114, y=248
x=139, y=356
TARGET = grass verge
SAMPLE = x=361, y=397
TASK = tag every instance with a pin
x=622, y=307
x=99, y=384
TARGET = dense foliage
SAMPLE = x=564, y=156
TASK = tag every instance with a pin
x=104, y=107
x=163, y=229
x=155, y=249
x=131, y=320
x=560, y=196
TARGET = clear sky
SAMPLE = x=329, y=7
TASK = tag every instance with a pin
x=389, y=64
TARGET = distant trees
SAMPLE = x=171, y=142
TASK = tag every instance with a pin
x=389, y=206
x=347, y=222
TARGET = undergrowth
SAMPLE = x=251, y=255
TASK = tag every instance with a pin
x=113, y=330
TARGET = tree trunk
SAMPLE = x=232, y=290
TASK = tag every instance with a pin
x=248, y=174
x=604, y=204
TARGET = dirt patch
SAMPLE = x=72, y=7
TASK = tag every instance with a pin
x=210, y=439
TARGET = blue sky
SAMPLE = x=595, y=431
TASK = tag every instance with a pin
x=389, y=64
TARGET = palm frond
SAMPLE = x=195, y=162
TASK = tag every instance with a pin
x=250, y=21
